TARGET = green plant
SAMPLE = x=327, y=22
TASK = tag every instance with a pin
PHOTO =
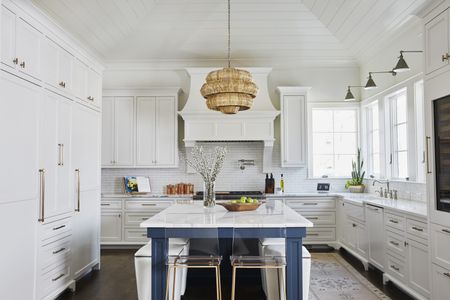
x=357, y=172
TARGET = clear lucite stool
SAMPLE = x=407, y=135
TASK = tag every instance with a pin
x=245, y=256
x=203, y=254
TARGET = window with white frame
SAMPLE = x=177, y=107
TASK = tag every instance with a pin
x=334, y=136
x=373, y=138
x=398, y=158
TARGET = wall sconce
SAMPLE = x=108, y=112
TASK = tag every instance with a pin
x=371, y=83
x=401, y=65
x=349, y=96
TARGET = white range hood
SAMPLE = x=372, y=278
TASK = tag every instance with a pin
x=255, y=124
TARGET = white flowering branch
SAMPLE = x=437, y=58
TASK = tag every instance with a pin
x=207, y=163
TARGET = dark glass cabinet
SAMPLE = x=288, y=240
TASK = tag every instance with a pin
x=442, y=152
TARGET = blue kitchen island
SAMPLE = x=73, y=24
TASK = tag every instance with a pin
x=193, y=221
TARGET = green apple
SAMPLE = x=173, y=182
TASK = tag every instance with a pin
x=249, y=200
x=243, y=199
x=234, y=201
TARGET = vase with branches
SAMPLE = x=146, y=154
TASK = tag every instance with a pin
x=355, y=185
x=208, y=164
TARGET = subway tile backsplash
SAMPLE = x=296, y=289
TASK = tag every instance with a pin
x=232, y=178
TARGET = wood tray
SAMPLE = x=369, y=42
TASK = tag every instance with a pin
x=240, y=206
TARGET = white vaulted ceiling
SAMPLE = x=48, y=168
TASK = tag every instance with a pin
x=338, y=31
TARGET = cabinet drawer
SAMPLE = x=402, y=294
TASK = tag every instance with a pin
x=135, y=219
x=54, y=253
x=440, y=279
x=320, y=218
x=354, y=211
x=395, y=243
x=440, y=245
x=136, y=235
x=147, y=205
x=53, y=280
x=395, y=221
x=111, y=204
x=319, y=234
x=396, y=267
x=54, y=230
x=417, y=228
x=311, y=204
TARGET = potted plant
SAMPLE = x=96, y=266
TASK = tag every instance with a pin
x=355, y=185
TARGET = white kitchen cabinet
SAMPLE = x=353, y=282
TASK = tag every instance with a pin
x=94, y=88
x=19, y=128
x=374, y=222
x=340, y=221
x=79, y=79
x=86, y=235
x=86, y=147
x=56, y=66
x=156, y=131
x=362, y=243
x=55, y=149
x=440, y=245
x=437, y=42
x=111, y=227
x=118, y=131
x=440, y=279
x=293, y=126
x=20, y=44
x=418, y=265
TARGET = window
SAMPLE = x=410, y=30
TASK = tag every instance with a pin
x=334, y=141
x=399, y=134
x=373, y=139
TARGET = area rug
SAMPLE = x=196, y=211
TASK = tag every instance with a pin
x=332, y=278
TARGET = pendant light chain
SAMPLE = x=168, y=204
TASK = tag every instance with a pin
x=229, y=34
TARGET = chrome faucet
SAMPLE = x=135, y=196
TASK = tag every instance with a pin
x=387, y=191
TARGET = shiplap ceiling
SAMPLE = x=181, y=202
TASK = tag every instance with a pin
x=302, y=31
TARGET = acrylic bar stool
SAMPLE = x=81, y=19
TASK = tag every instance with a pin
x=245, y=255
x=203, y=254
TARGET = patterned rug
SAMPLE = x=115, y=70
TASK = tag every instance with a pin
x=332, y=278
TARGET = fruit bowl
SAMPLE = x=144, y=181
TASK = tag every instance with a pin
x=238, y=206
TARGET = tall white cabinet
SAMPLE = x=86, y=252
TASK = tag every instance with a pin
x=293, y=102
x=437, y=51
x=50, y=174
x=140, y=128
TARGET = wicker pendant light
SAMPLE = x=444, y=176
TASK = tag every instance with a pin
x=229, y=90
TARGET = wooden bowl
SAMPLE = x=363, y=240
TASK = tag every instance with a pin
x=240, y=206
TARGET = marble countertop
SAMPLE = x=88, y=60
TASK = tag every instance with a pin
x=193, y=215
x=159, y=196
x=417, y=208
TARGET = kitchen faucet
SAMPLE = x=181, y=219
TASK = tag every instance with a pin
x=387, y=192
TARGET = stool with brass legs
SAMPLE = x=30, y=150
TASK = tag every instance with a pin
x=203, y=253
x=245, y=255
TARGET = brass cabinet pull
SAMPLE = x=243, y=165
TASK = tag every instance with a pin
x=22, y=64
x=417, y=228
x=394, y=243
x=446, y=230
x=58, y=277
x=427, y=154
x=105, y=204
x=315, y=203
x=447, y=274
x=144, y=234
x=312, y=234
x=42, y=195
x=445, y=57
x=77, y=171
x=354, y=225
x=393, y=221
x=312, y=218
x=60, y=250
x=16, y=61
x=148, y=204
x=59, y=227
x=61, y=154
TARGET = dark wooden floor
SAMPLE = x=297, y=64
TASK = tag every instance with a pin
x=116, y=281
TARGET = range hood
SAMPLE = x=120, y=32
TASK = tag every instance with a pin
x=255, y=124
